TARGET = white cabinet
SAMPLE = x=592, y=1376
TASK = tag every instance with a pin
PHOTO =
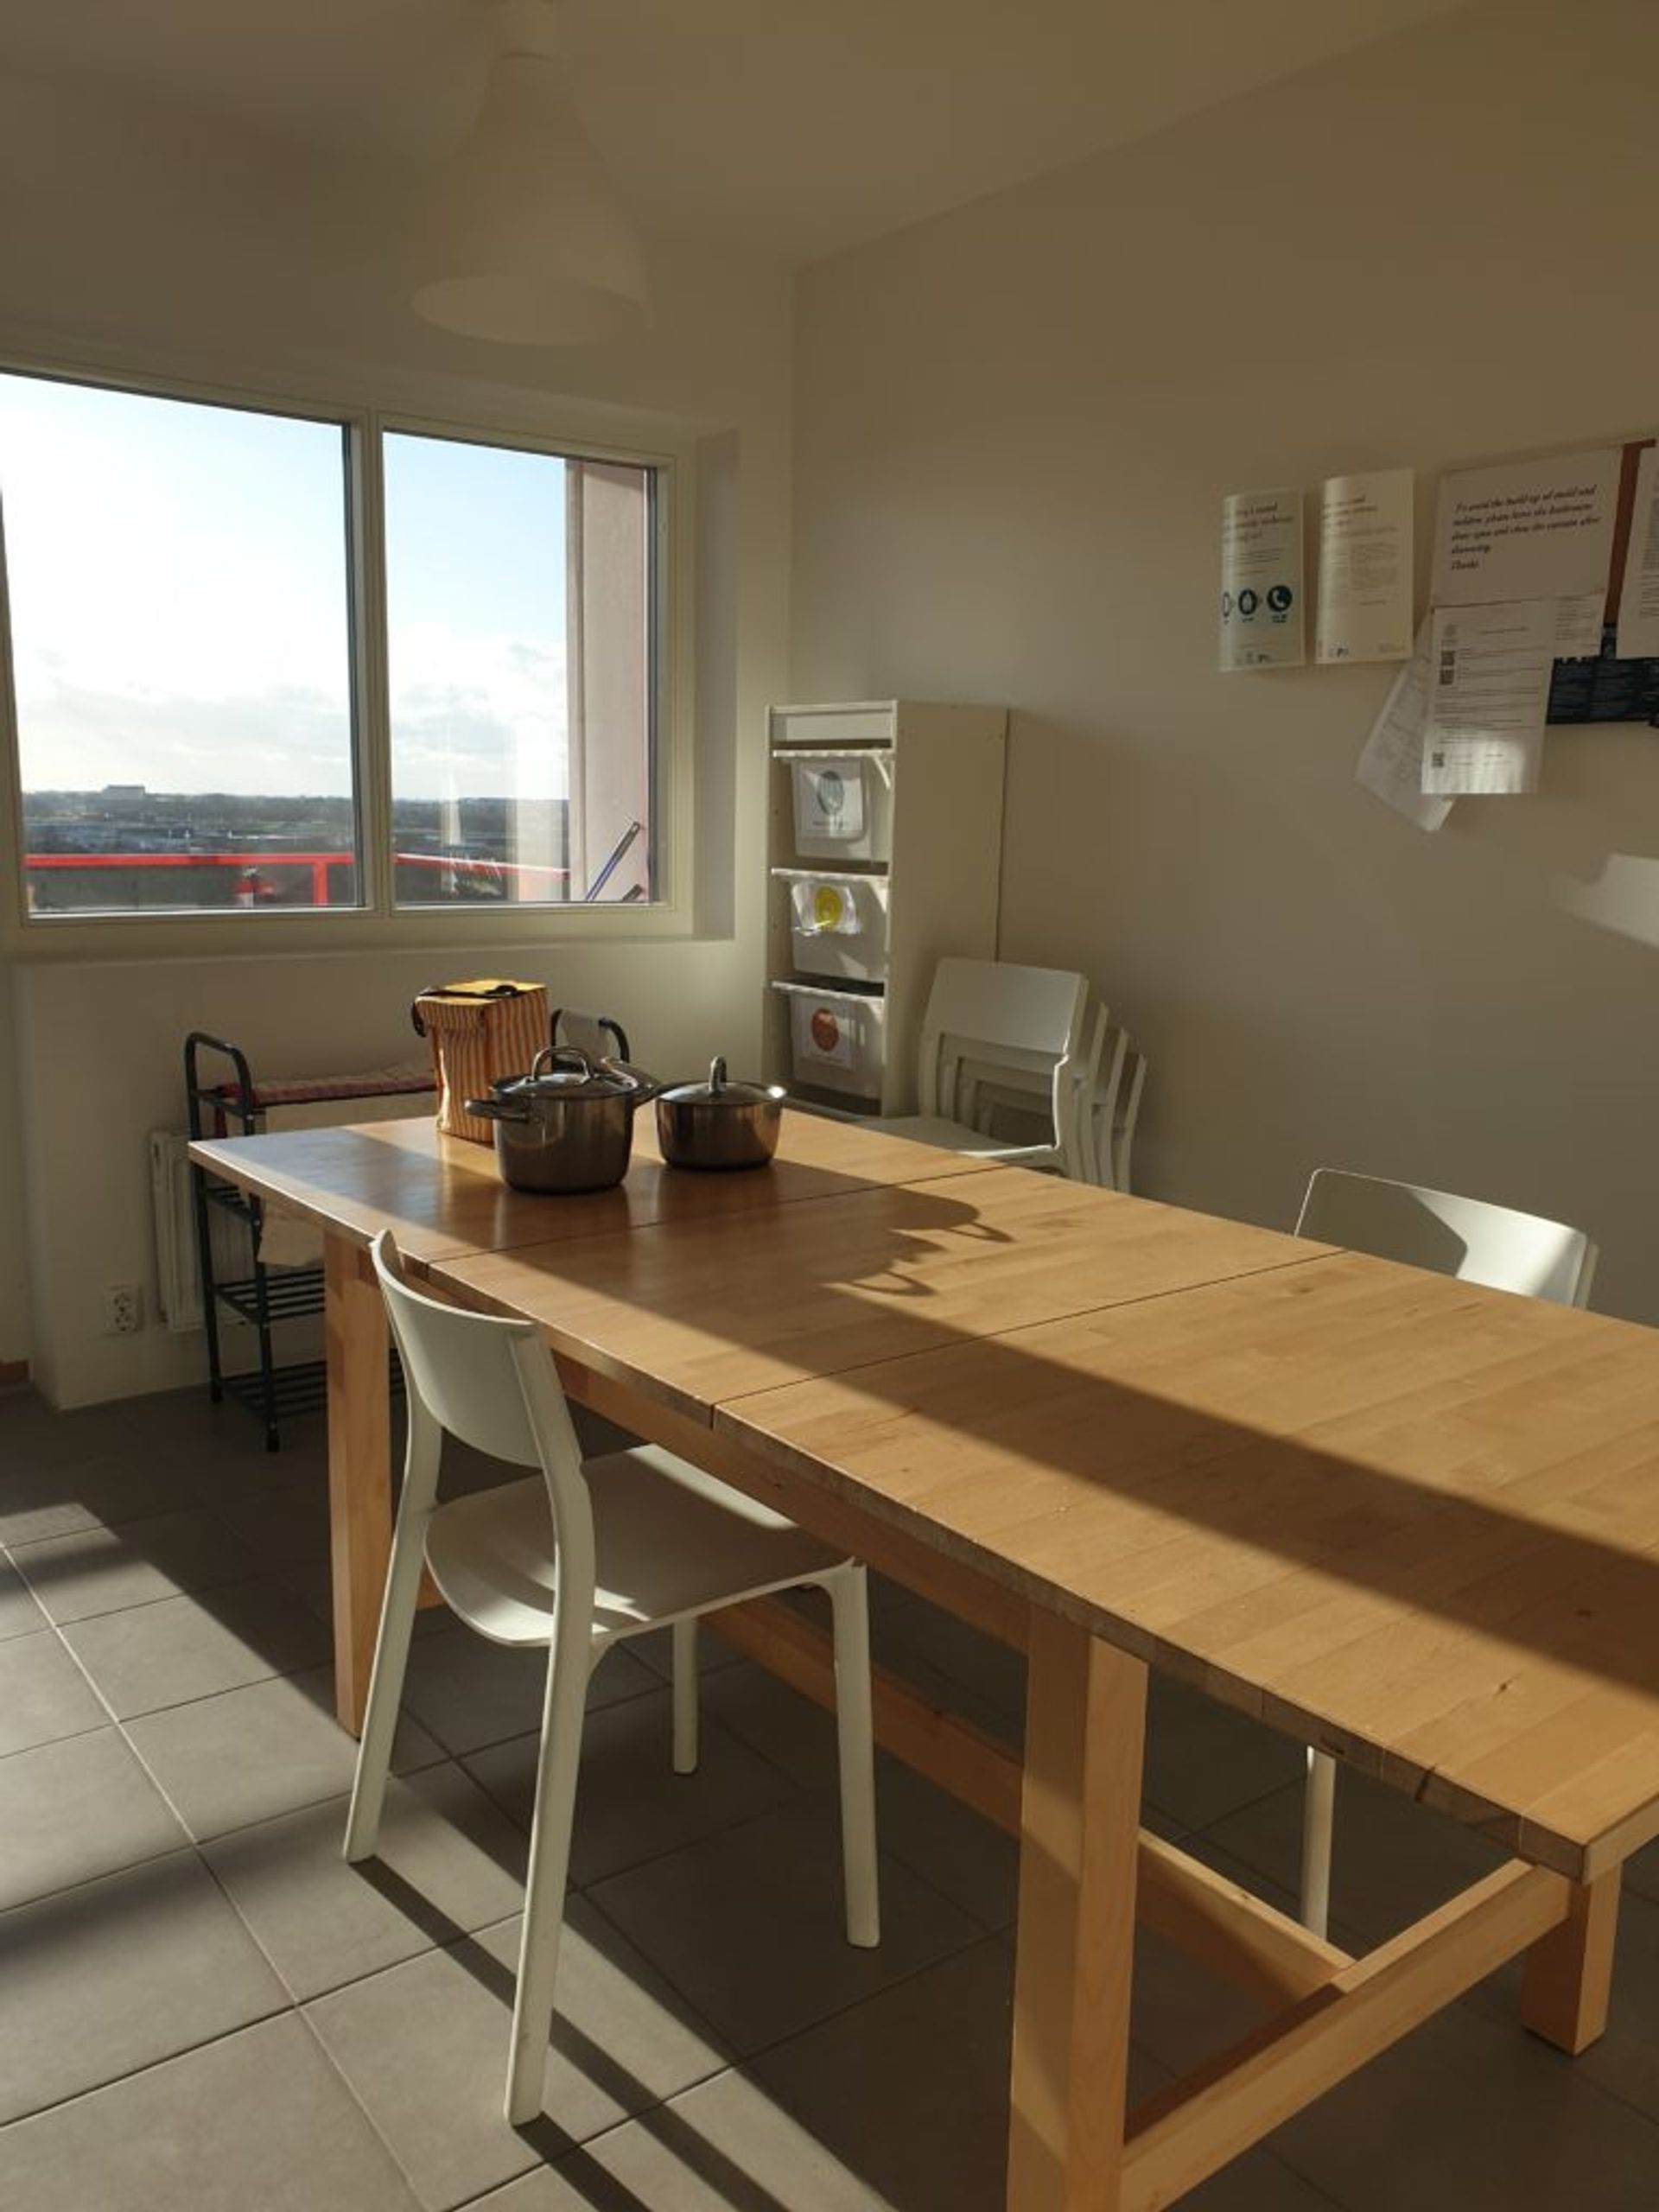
x=886, y=851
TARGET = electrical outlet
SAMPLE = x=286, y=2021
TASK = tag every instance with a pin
x=124, y=1309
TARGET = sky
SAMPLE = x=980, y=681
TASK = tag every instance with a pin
x=178, y=612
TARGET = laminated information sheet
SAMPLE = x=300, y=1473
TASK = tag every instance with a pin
x=1488, y=690
x=1261, y=581
x=1365, y=568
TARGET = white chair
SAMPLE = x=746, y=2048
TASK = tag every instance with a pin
x=596, y=1034
x=1451, y=1236
x=573, y=1559
x=1114, y=1110
x=988, y=1020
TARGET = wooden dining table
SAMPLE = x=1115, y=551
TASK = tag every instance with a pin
x=1409, y=1522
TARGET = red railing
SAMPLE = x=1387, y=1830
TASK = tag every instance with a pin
x=251, y=892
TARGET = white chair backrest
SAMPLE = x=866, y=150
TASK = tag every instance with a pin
x=491, y=1383
x=990, y=1013
x=596, y=1034
x=1451, y=1236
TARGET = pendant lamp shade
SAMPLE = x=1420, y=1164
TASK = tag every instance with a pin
x=528, y=241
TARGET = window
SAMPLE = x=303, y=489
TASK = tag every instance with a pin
x=519, y=623
x=202, y=720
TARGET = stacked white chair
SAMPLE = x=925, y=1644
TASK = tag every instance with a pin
x=993, y=1026
x=573, y=1559
x=1475, y=1242
x=1081, y=1089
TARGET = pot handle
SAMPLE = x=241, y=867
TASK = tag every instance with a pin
x=492, y=1109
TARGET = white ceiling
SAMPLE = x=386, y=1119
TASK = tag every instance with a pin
x=791, y=129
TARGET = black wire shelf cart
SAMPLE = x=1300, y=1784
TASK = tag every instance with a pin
x=229, y=1105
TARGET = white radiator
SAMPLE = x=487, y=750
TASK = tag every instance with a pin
x=178, y=1276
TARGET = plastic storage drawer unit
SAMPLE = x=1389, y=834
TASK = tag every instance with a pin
x=837, y=923
x=837, y=1039
x=843, y=805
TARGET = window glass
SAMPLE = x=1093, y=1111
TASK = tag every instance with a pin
x=178, y=582
x=520, y=630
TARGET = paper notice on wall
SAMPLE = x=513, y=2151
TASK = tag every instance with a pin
x=1639, y=603
x=1579, y=625
x=1261, y=581
x=1365, y=610
x=1488, y=689
x=1533, y=530
x=1391, y=765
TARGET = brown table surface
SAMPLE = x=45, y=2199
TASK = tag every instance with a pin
x=1412, y=1521
x=441, y=1195
x=725, y=1305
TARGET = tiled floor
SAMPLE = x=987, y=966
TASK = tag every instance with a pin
x=201, y=2006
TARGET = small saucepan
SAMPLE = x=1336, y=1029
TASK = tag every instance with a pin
x=567, y=1126
x=719, y=1124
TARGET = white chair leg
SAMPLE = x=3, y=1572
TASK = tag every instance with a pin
x=684, y=1634
x=855, y=1742
x=549, y=1865
x=386, y=1685
x=1318, y=1816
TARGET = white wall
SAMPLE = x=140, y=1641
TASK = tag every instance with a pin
x=153, y=243
x=1014, y=427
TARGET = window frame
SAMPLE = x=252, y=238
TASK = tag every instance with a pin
x=563, y=431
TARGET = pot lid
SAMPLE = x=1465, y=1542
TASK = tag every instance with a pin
x=719, y=1090
x=566, y=1071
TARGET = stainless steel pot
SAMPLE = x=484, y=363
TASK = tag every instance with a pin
x=567, y=1125
x=719, y=1123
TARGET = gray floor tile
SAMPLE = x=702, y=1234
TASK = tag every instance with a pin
x=19, y=1614
x=1642, y=1873
x=188, y=1425
x=631, y=1805
x=909, y=2092
x=448, y=1862
x=250, y=1754
x=312, y=1585
x=104, y=1570
x=75, y=1810
x=724, y=2146
x=34, y=1438
x=257, y=2122
x=283, y=1520
x=655, y=1647
x=469, y=1692
x=97, y=1493
x=114, y=1975
x=1205, y=1761
x=1467, y=2113
x=1181, y=2014
x=152, y=1657
x=43, y=1695
x=983, y=1680
x=425, y=2049
x=750, y=1924
x=971, y=1862
x=1625, y=2062
x=1393, y=1861
x=797, y=1736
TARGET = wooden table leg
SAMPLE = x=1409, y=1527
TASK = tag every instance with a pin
x=1085, y=1724
x=1567, y=1978
x=360, y=1467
